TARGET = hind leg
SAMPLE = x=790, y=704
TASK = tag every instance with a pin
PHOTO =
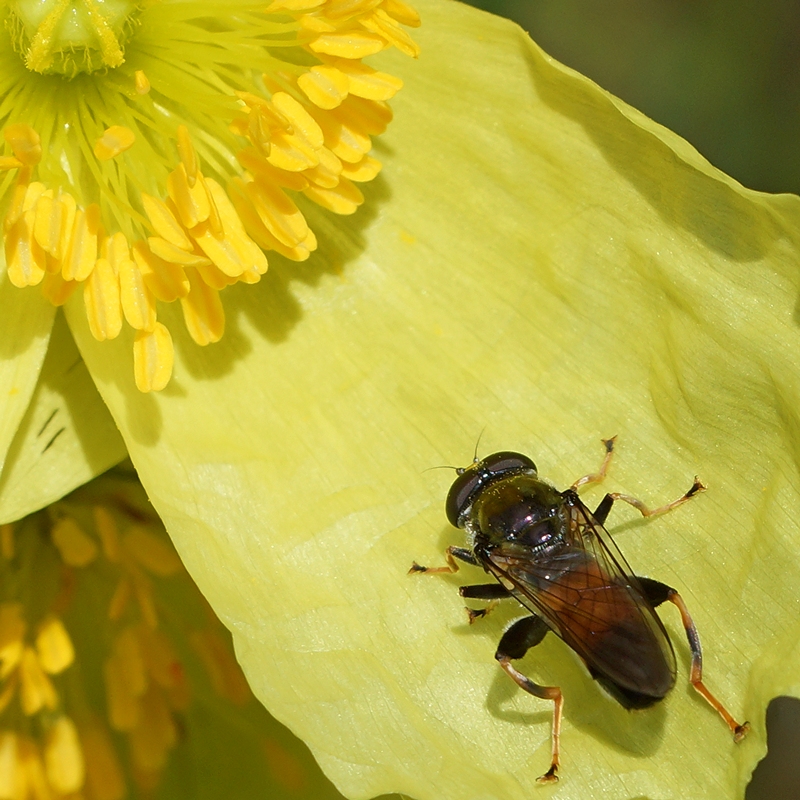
x=517, y=640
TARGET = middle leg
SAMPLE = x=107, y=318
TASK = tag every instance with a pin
x=494, y=592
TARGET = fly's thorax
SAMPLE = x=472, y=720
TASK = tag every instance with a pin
x=519, y=510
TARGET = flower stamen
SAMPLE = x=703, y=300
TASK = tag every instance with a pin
x=169, y=181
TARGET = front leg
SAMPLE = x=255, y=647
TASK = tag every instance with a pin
x=451, y=554
x=602, y=510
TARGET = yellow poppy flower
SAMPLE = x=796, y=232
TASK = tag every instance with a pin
x=539, y=260
x=116, y=678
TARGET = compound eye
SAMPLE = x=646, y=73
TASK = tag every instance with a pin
x=506, y=462
x=460, y=494
x=467, y=486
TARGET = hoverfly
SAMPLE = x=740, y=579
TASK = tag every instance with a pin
x=549, y=552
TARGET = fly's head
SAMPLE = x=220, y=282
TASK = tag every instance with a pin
x=500, y=500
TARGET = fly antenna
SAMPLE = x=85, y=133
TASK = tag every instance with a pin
x=475, y=454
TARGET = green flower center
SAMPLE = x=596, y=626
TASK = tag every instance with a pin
x=66, y=37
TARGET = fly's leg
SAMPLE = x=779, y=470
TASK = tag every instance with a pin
x=657, y=593
x=516, y=641
x=596, y=477
x=601, y=512
x=605, y=505
x=484, y=591
x=451, y=554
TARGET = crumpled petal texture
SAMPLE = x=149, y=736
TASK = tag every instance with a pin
x=542, y=263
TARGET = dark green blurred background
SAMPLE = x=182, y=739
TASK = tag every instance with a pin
x=725, y=75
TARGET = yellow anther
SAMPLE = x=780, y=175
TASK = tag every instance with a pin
x=301, y=122
x=293, y=5
x=126, y=681
x=9, y=162
x=348, y=44
x=63, y=757
x=26, y=261
x=56, y=290
x=155, y=735
x=187, y=154
x=77, y=548
x=364, y=170
x=127, y=650
x=47, y=227
x=123, y=705
x=345, y=198
x=115, y=140
x=252, y=160
x=223, y=670
x=81, y=252
x=106, y=528
x=152, y=552
x=143, y=592
x=189, y=197
x=25, y=143
x=36, y=689
x=324, y=86
x=215, y=214
x=215, y=278
x=404, y=14
x=10, y=777
x=202, y=311
x=381, y=23
x=104, y=779
x=169, y=252
x=165, y=223
x=327, y=173
x=153, y=358
x=313, y=24
x=53, y=646
x=138, y=302
x=166, y=280
x=7, y=541
x=367, y=82
x=120, y=599
x=141, y=83
x=163, y=665
x=278, y=213
x=12, y=629
x=102, y=301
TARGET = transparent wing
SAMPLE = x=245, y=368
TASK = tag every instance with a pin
x=589, y=596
